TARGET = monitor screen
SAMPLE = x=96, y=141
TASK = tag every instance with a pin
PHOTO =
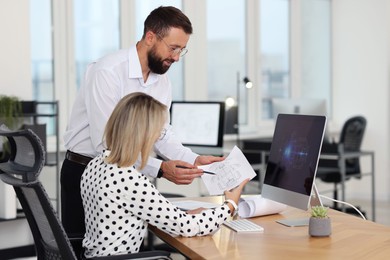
x=198, y=123
x=293, y=159
x=304, y=106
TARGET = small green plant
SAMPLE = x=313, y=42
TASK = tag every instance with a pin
x=10, y=111
x=319, y=212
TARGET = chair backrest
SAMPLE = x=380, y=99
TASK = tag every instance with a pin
x=352, y=133
x=24, y=152
x=352, y=137
x=21, y=171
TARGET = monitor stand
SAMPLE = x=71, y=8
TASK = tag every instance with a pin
x=315, y=200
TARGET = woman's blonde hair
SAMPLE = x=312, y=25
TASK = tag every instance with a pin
x=133, y=128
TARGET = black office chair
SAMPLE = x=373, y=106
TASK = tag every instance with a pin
x=21, y=170
x=351, y=138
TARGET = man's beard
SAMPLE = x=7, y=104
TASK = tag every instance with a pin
x=156, y=64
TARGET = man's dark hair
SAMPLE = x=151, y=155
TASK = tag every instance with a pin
x=163, y=18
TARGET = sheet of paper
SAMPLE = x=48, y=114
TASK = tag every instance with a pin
x=229, y=172
x=193, y=204
x=254, y=206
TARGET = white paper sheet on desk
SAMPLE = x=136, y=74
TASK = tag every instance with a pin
x=194, y=204
x=255, y=206
x=229, y=172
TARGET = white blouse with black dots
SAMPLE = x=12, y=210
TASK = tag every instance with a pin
x=120, y=202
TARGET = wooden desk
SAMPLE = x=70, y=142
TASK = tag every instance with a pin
x=351, y=238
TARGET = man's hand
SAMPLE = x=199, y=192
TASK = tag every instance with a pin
x=177, y=175
x=207, y=159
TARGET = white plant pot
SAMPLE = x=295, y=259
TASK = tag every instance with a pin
x=7, y=201
x=320, y=227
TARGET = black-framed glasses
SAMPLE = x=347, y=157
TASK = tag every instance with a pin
x=174, y=51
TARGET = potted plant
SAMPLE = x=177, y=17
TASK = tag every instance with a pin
x=319, y=222
x=10, y=111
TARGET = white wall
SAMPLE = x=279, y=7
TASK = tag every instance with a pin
x=361, y=81
x=15, y=65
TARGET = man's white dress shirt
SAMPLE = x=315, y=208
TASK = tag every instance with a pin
x=106, y=81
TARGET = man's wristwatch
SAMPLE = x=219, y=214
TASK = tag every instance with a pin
x=160, y=173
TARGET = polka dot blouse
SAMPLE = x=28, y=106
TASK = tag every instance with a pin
x=119, y=203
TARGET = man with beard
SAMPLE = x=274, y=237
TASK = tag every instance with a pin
x=141, y=68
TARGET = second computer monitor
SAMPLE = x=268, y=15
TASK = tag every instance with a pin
x=304, y=106
x=199, y=125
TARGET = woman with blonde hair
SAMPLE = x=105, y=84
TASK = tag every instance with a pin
x=119, y=201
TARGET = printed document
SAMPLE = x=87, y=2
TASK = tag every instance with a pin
x=193, y=204
x=254, y=206
x=229, y=172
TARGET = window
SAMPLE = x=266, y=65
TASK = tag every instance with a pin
x=295, y=43
x=96, y=28
x=316, y=50
x=41, y=50
x=226, y=51
x=284, y=45
x=274, y=52
x=42, y=59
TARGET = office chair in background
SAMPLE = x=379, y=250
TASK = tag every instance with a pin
x=351, y=138
x=21, y=170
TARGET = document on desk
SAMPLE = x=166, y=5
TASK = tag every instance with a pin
x=255, y=206
x=194, y=204
x=229, y=172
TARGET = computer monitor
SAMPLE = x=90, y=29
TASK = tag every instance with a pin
x=304, y=106
x=293, y=159
x=199, y=125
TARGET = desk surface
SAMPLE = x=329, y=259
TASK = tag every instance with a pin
x=351, y=238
